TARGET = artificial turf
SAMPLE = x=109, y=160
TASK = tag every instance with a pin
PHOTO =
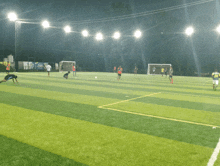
x=57, y=117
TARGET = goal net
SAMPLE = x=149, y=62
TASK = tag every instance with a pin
x=65, y=66
x=154, y=68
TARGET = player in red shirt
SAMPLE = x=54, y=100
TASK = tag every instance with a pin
x=119, y=72
x=74, y=70
x=8, y=68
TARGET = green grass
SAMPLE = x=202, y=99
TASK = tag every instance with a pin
x=54, y=121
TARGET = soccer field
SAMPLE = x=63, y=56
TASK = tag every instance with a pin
x=138, y=121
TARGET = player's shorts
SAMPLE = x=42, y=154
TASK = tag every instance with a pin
x=215, y=82
x=7, y=71
x=119, y=74
x=48, y=70
x=170, y=76
x=166, y=73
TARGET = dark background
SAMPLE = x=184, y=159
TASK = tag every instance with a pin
x=163, y=39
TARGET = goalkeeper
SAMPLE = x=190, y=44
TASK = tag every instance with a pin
x=66, y=75
x=215, y=76
x=10, y=76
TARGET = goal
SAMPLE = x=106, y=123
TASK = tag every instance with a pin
x=65, y=66
x=154, y=68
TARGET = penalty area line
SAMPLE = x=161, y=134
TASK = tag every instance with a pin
x=214, y=155
x=129, y=99
x=160, y=117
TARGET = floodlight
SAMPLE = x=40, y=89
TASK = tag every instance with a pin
x=137, y=34
x=45, y=24
x=99, y=36
x=218, y=29
x=117, y=35
x=67, y=29
x=189, y=31
x=12, y=17
x=85, y=33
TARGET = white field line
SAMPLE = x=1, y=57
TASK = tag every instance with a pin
x=214, y=155
x=129, y=99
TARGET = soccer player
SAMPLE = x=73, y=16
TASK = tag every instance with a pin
x=8, y=68
x=74, y=70
x=135, y=70
x=154, y=68
x=10, y=76
x=165, y=71
x=162, y=71
x=114, y=70
x=48, y=67
x=119, y=73
x=215, y=76
x=66, y=75
x=171, y=75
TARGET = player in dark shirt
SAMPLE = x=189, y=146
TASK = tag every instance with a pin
x=66, y=75
x=10, y=76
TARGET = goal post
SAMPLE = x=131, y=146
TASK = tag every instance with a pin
x=155, y=69
x=65, y=66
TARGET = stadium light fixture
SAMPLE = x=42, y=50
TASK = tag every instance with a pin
x=218, y=29
x=137, y=33
x=12, y=16
x=85, y=33
x=116, y=35
x=189, y=31
x=45, y=24
x=67, y=29
x=99, y=36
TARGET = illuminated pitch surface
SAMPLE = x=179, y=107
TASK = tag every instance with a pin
x=139, y=120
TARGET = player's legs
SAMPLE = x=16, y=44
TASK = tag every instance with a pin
x=3, y=81
x=48, y=73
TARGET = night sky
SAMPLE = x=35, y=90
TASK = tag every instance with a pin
x=162, y=23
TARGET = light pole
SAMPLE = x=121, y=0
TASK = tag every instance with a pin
x=13, y=17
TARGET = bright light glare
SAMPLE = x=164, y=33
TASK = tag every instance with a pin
x=189, y=31
x=67, y=29
x=45, y=24
x=117, y=35
x=85, y=33
x=99, y=36
x=12, y=17
x=218, y=29
x=137, y=34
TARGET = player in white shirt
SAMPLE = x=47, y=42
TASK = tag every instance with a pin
x=48, y=67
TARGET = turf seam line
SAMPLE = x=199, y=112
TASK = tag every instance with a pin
x=129, y=99
x=160, y=117
x=214, y=155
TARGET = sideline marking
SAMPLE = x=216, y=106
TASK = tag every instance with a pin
x=129, y=99
x=214, y=155
x=160, y=117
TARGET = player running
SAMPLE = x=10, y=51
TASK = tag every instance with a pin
x=10, y=76
x=66, y=75
x=215, y=76
x=171, y=75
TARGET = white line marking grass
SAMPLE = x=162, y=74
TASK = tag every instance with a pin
x=159, y=117
x=214, y=155
x=129, y=99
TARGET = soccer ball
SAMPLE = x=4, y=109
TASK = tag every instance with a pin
x=95, y=77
